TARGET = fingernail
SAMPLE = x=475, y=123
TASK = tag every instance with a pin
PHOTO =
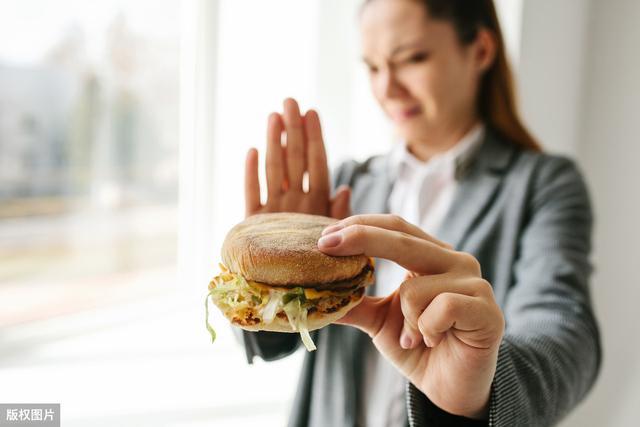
x=330, y=241
x=405, y=341
x=331, y=229
x=427, y=342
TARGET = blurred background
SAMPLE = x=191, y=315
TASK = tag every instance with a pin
x=123, y=130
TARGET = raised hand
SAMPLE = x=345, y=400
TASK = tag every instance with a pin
x=442, y=327
x=287, y=164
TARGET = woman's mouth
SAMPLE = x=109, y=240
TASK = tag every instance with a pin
x=405, y=114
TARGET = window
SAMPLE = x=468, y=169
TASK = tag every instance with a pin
x=88, y=155
x=95, y=177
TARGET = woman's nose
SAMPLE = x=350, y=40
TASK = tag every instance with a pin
x=390, y=87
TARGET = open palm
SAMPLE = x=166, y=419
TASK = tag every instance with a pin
x=286, y=165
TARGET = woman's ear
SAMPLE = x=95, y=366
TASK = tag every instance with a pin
x=485, y=50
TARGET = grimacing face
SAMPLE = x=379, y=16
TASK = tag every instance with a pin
x=424, y=79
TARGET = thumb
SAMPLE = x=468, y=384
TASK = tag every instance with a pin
x=368, y=315
x=341, y=203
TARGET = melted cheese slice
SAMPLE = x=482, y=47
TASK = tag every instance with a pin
x=309, y=293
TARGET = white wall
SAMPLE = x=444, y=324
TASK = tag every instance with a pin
x=578, y=76
x=550, y=70
x=510, y=16
x=609, y=151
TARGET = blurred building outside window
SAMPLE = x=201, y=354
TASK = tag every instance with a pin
x=88, y=155
x=102, y=127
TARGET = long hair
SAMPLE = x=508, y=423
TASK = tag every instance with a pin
x=496, y=96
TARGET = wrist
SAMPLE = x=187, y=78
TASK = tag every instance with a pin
x=472, y=408
x=436, y=415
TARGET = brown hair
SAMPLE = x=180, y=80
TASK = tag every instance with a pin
x=496, y=98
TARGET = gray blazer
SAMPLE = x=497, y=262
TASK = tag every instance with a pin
x=527, y=218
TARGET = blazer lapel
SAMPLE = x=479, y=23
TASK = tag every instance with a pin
x=478, y=183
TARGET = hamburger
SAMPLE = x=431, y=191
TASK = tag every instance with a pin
x=274, y=278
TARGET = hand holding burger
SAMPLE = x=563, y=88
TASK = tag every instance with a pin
x=442, y=327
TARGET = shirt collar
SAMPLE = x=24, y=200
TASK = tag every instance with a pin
x=401, y=160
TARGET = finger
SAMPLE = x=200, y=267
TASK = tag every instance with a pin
x=316, y=155
x=410, y=275
x=341, y=203
x=388, y=222
x=458, y=312
x=369, y=315
x=413, y=253
x=416, y=294
x=285, y=173
x=251, y=183
x=410, y=337
x=295, y=144
x=275, y=163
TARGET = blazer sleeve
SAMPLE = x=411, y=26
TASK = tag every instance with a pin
x=276, y=345
x=550, y=355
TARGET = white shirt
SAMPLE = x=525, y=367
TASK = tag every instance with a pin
x=434, y=183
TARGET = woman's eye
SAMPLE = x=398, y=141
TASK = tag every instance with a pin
x=418, y=57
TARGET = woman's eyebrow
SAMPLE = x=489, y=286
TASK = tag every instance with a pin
x=399, y=49
x=406, y=46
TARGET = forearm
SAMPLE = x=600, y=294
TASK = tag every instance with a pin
x=550, y=354
x=539, y=379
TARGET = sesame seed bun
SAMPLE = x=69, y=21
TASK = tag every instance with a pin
x=281, y=249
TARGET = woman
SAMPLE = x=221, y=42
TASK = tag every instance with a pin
x=490, y=323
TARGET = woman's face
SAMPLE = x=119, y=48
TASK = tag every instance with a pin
x=423, y=77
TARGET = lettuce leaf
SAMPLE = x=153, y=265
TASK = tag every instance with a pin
x=212, y=332
x=292, y=294
x=269, y=311
x=297, y=316
x=233, y=292
x=292, y=310
x=304, y=331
